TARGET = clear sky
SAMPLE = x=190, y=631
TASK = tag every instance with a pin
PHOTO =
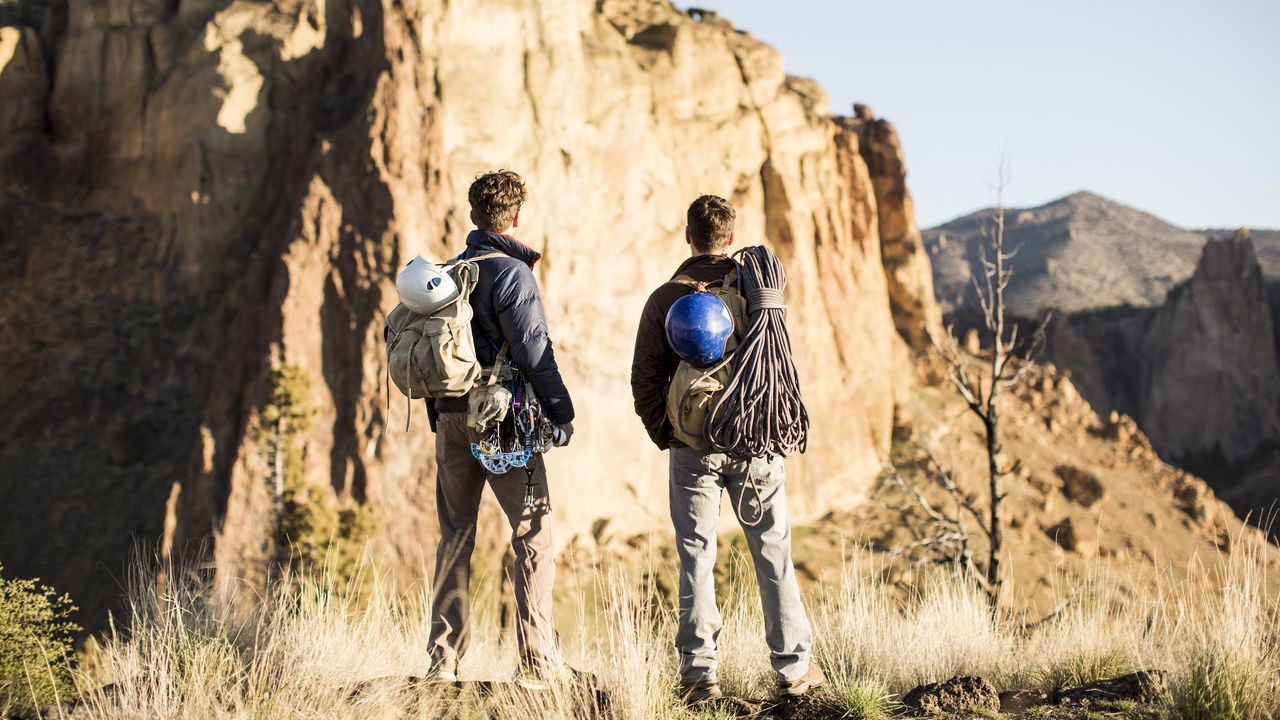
x=1170, y=106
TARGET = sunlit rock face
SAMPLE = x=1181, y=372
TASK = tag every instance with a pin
x=197, y=192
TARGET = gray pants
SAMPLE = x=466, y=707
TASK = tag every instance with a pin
x=697, y=479
x=460, y=480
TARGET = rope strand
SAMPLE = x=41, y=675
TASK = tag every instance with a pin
x=760, y=413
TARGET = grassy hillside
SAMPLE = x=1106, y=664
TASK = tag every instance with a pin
x=310, y=651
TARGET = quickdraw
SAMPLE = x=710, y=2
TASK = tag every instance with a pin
x=513, y=441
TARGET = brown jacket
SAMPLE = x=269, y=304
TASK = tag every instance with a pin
x=654, y=363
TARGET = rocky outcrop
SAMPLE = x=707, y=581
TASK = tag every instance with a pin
x=198, y=192
x=212, y=188
x=907, y=268
x=1145, y=686
x=1157, y=323
x=960, y=695
x=1209, y=347
x=1198, y=373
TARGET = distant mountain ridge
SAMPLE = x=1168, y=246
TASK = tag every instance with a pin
x=1081, y=252
x=1175, y=328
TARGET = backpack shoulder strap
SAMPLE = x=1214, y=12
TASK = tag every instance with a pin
x=478, y=258
x=729, y=280
x=467, y=271
x=497, y=365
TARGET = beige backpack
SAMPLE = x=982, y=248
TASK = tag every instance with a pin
x=693, y=389
x=434, y=356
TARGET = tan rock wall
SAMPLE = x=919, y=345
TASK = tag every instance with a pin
x=235, y=186
x=617, y=125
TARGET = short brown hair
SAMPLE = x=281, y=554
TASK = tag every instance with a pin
x=495, y=198
x=710, y=219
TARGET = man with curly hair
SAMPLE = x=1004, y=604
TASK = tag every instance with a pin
x=508, y=311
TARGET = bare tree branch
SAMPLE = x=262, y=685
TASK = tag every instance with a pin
x=946, y=537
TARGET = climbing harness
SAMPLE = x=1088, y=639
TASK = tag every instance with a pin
x=514, y=440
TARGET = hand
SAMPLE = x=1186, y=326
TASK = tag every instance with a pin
x=566, y=434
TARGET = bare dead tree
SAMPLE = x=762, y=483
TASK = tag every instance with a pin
x=981, y=392
x=938, y=535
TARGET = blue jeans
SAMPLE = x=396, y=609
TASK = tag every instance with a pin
x=697, y=480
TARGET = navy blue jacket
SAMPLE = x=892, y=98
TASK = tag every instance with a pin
x=508, y=307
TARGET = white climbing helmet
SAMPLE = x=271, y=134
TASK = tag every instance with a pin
x=425, y=287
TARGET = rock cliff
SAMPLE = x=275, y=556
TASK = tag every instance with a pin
x=1165, y=325
x=1198, y=372
x=197, y=192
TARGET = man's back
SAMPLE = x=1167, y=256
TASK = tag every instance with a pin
x=697, y=478
x=508, y=309
x=654, y=361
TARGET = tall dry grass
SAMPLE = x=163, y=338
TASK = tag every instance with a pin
x=309, y=650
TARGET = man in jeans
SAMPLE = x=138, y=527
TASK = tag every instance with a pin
x=508, y=310
x=697, y=479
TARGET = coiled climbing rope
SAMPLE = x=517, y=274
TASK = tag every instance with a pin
x=760, y=413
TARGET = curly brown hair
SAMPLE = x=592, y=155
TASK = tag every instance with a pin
x=495, y=198
x=710, y=220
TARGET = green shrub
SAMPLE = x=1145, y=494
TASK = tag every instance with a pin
x=866, y=700
x=35, y=645
x=317, y=533
x=1220, y=688
x=1081, y=668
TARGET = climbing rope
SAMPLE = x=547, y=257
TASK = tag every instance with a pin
x=760, y=413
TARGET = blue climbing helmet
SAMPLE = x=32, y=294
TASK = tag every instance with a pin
x=698, y=327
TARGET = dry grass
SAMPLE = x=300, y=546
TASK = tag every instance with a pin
x=308, y=651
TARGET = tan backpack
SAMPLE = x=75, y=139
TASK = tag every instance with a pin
x=434, y=356
x=693, y=390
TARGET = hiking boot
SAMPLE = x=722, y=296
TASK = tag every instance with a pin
x=538, y=676
x=700, y=691
x=812, y=678
x=444, y=669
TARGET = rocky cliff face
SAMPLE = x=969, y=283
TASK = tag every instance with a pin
x=197, y=192
x=1159, y=364
x=1158, y=323
x=1198, y=373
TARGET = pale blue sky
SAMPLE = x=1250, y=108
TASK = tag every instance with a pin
x=1172, y=107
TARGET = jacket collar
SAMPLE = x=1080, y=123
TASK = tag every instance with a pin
x=482, y=241
x=699, y=260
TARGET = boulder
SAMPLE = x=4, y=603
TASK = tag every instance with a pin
x=1192, y=497
x=1144, y=686
x=1080, y=486
x=1074, y=537
x=960, y=694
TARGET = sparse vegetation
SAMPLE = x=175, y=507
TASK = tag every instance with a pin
x=35, y=645
x=1218, y=688
x=304, y=651
x=317, y=532
x=943, y=535
x=1085, y=667
x=866, y=700
x=1231, y=668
